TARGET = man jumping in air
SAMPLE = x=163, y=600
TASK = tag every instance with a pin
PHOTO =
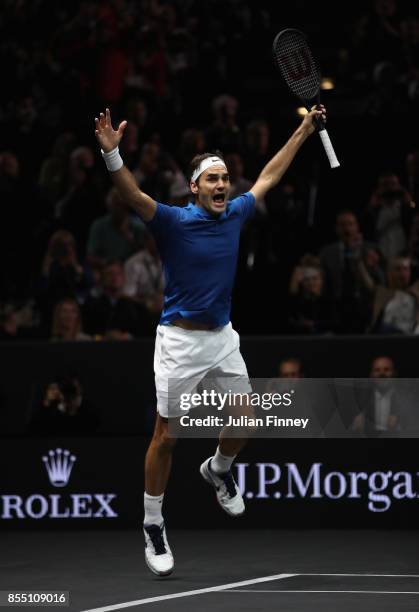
x=198, y=246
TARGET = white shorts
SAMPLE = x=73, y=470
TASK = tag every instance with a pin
x=183, y=358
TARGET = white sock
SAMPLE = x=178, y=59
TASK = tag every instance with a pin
x=152, y=509
x=220, y=463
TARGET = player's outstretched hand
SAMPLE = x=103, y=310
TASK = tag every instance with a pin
x=107, y=137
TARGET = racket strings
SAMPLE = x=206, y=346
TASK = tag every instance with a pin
x=296, y=63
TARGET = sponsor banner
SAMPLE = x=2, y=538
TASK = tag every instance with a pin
x=53, y=482
x=98, y=483
x=377, y=490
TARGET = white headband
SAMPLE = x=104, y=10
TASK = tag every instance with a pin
x=205, y=164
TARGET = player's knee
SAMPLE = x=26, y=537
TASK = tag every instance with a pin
x=163, y=440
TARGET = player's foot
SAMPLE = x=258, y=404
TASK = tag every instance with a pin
x=158, y=555
x=228, y=493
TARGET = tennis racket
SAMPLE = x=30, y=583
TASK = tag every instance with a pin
x=298, y=68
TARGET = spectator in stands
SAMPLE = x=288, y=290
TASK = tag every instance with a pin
x=83, y=201
x=117, y=235
x=377, y=35
x=150, y=172
x=290, y=367
x=395, y=309
x=9, y=324
x=179, y=192
x=139, y=129
x=257, y=151
x=111, y=315
x=310, y=310
x=66, y=323
x=224, y=133
x=239, y=184
x=19, y=321
x=63, y=410
x=62, y=274
x=379, y=403
x=390, y=211
x=192, y=142
x=144, y=276
x=345, y=263
x=53, y=177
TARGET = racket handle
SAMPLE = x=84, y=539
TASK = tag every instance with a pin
x=328, y=147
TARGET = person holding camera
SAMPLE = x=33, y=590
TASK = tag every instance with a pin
x=390, y=212
x=349, y=265
x=63, y=409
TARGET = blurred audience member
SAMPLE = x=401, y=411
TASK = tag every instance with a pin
x=19, y=321
x=138, y=129
x=390, y=210
x=290, y=367
x=378, y=35
x=117, y=235
x=224, y=133
x=257, y=152
x=238, y=183
x=62, y=275
x=379, y=402
x=111, y=315
x=66, y=323
x=310, y=310
x=64, y=410
x=144, y=276
x=345, y=263
x=9, y=328
x=53, y=176
x=395, y=309
x=154, y=171
x=192, y=142
x=83, y=201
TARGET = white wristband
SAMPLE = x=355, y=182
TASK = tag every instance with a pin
x=112, y=159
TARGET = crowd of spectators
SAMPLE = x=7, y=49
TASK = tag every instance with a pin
x=378, y=405
x=78, y=265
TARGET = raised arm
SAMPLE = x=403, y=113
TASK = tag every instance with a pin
x=122, y=178
x=277, y=166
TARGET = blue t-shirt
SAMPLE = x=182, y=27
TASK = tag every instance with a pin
x=199, y=255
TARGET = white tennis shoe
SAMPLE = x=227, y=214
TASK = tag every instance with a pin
x=158, y=555
x=228, y=493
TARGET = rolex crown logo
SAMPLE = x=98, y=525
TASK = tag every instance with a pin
x=59, y=464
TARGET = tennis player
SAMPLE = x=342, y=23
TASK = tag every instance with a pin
x=198, y=245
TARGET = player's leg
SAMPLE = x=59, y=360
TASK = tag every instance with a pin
x=158, y=462
x=230, y=374
x=216, y=470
